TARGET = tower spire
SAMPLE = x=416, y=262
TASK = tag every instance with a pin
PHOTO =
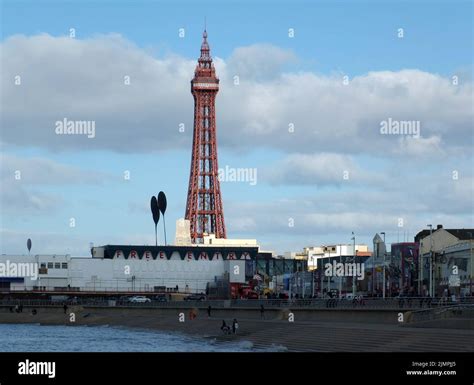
x=205, y=50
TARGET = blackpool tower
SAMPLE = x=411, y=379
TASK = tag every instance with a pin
x=204, y=204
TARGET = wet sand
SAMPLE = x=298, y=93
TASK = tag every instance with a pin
x=276, y=332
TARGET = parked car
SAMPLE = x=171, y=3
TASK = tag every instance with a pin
x=139, y=299
x=161, y=298
x=195, y=297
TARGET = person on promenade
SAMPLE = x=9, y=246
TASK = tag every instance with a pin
x=65, y=308
x=209, y=311
x=262, y=312
x=235, y=326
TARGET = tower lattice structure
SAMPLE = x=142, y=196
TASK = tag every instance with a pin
x=204, y=203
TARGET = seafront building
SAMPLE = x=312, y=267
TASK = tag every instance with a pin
x=184, y=267
x=446, y=260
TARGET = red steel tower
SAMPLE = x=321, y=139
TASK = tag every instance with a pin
x=204, y=203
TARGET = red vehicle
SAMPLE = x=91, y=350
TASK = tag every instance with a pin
x=249, y=293
x=241, y=291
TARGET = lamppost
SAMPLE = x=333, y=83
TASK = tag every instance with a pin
x=340, y=277
x=373, y=268
x=353, y=277
x=420, y=269
x=383, y=269
x=471, y=263
x=431, y=260
x=329, y=277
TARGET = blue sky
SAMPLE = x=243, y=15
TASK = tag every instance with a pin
x=344, y=35
x=283, y=80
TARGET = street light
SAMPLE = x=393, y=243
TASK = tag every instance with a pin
x=420, y=269
x=431, y=260
x=340, y=277
x=383, y=269
x=373, y=267
x=329, y=277
x=353, y=277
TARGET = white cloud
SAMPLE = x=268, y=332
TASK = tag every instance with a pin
x=258, y=62
x=420, y=147
x=22, y=179
x=42, y=171
x=339, y=212
x=84, y=79
x=318, y=169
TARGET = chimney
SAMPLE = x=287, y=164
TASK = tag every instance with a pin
x=439, y=227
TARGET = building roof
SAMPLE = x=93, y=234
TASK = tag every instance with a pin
x=461, y=234
x=250, y=252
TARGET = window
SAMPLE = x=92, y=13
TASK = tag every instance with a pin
x=57, y=265
x=64, y=265
x=43, y=265
x=50, y=265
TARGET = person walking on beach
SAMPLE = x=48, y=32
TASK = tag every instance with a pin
x=262, y=312
x=209, y=311
x=225, y=329
x=235, y=326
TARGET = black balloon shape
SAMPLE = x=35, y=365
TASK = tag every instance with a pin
x=155, y=210
x=162, y=202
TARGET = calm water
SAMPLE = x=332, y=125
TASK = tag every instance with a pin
x=36, y=338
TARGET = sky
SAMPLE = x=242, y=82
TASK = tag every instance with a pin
x=317, y=81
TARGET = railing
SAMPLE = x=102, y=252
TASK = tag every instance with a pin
x=461, y=310
x=91, y=302
x=367, y=303
x=91, y=290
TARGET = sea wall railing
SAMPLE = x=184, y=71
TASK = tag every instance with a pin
x=465, y=310
x=422, y=305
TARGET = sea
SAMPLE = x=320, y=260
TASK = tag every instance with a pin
x=57, y=338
